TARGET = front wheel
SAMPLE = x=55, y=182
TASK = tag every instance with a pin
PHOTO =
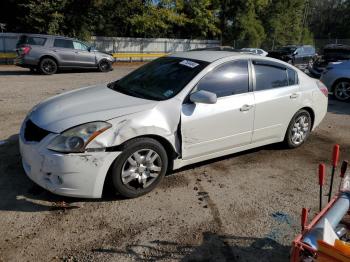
x=341, y=90
x=104, y=66
x=299, y=129
x=140, y=167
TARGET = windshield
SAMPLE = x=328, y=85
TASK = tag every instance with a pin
x=160, y=79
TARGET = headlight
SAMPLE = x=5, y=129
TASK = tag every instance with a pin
x=75, y=140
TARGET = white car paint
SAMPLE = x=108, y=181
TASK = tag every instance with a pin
x=196, y=132
x=257, y=51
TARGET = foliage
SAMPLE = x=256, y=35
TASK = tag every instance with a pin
x=266, y=23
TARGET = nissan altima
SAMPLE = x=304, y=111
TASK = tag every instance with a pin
x=174, y=111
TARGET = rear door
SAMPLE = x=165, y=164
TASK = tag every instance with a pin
x=83, y=57
x=65, y=52
x=210, y=128
x=277, y=99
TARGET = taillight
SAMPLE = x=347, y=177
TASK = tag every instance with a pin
x=25, y=50
x=322, y=87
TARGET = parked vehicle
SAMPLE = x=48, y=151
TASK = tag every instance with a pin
x=257, y=51
x=47, y=54
x=336, y=77
x=331, y=53
x=174, y=111
x=298, y=55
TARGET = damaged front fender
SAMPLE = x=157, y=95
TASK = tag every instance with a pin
x=162, y=120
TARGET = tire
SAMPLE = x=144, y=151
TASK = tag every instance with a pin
x=48, y=66
x=104, y=66
x=132, y=174
x=298, y=130
x=341, y=90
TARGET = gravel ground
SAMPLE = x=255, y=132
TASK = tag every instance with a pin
x=244, y=207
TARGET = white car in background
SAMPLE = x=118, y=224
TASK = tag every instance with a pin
x=257, y=51
x=174, y=111
x=336, y=77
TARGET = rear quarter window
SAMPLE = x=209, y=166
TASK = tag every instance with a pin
x=31, y=40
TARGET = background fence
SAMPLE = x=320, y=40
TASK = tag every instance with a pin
x=142, y=49
x=124, y=48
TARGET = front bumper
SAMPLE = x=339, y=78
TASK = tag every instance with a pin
x=77, y=175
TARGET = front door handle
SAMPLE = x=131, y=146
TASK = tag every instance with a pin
x=294, y=95
x=246, y=108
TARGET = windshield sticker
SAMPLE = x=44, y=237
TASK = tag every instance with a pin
x=168, y=93
x=189, y=63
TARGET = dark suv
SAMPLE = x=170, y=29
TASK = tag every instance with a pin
x=47, y=54
x=298, y=55
x=331, y=53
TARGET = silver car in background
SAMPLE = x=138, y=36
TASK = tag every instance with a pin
x=336, y=77
x=174, y=111
x=47, y=54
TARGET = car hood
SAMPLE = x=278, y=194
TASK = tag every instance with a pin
x=96, y=103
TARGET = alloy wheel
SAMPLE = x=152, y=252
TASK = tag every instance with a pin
x=141, y=169
x=48, y=66
x=342, y=91
x=300, y=129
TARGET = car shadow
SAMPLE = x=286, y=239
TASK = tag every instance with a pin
x=25, y=72
x=214, y=247
x=16, y=73
x=338, y=107
x=19, y=193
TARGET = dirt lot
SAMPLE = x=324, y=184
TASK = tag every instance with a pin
x=244, y=207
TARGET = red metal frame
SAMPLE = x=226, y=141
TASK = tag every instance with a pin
x=298, y=246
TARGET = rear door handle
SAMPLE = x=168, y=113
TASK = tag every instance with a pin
x=246, y=108
x=294, y=95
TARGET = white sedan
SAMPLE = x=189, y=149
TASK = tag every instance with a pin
x=177, y=110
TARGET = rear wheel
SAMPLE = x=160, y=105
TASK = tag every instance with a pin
x=341, y=90
x=48, y=66
x=299, y=129
x=140, y=167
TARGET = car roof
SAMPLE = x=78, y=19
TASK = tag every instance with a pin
x=210, y=56
x=47, y=36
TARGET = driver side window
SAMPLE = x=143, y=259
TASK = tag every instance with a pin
x=228, y=79
x=79, y=45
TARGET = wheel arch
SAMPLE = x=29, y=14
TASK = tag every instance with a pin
x=48, y=56
x=169, y=148
x=339, y=80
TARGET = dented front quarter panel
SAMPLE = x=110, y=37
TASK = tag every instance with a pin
x=161, y=120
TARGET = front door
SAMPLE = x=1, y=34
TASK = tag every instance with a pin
x=210, y=128
x=83, y=57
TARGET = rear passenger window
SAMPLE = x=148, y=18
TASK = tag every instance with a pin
x=228, y=79
x=64, y=43
x=292, y=77
x=269, y=76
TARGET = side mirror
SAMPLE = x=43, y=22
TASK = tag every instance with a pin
x=295, y=53
x=203, y=97
x=89, y=48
